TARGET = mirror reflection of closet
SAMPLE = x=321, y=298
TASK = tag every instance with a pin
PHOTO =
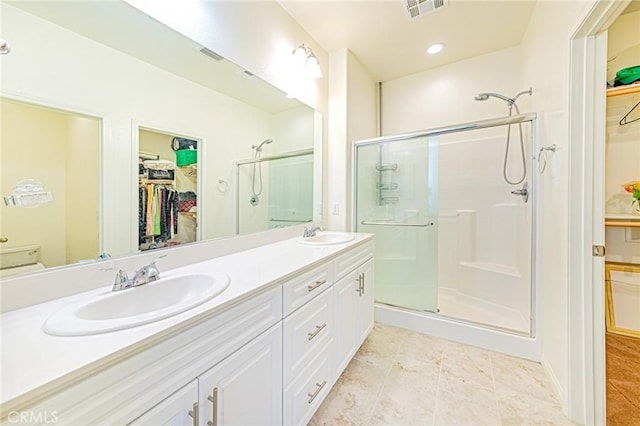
x=167, y=189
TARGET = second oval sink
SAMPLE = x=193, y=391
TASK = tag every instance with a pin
x=327, y=238
x=136, y=306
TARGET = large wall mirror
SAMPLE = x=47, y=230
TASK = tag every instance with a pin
x=93, y=93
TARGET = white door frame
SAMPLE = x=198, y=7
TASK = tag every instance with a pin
x=587, y=111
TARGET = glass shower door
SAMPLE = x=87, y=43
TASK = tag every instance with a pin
x=397, y=199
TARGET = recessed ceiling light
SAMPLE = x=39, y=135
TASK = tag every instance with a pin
x=435, y=48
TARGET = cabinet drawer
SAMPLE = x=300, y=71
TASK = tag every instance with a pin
x=306, y=332
x=301, y=289
x=303, y=396
x=351, y=260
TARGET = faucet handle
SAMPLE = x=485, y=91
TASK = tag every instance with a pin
x=121, y=277
x=121, y=281
x=152, y=270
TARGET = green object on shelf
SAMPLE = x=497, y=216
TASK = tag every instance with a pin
x=627, y=76
x=184, y=157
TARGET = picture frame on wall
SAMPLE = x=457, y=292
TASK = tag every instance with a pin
x=622, y=298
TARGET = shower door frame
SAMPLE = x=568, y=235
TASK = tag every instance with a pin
x=534, y=351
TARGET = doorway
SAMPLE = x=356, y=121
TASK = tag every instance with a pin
x=622, y=222
x=168, y=190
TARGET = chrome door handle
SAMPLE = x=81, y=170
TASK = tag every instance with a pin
x=214, y=411
x=316, y=285
x=362, y=283
x=319, y=328
x=313, y=395
x=359, y=289
x=195, y=413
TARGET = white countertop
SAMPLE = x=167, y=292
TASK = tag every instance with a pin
x=33, y=362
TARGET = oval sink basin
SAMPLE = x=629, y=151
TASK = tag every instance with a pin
x=136, y=306
x=326, y=239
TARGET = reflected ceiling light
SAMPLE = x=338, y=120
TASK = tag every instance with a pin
x=435, y=48
x=305, y=59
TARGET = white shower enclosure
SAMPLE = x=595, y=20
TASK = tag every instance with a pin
x=452, y=240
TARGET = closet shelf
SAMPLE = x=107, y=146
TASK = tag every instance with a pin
x=623, y=220
x=623, y=90
x=157, y=181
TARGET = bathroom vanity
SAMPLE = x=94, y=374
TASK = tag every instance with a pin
x=266, y=350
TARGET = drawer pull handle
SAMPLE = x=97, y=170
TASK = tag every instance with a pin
x=319, y=387
x=214, y=415
x=316, y=285
x=318, y=330
x=195, y=413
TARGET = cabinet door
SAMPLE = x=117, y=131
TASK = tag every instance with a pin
x=344, y=293
x=176, y=410
x=365, y=300
x=246, y=388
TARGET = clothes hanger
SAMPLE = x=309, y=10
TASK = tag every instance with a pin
x=623, y=120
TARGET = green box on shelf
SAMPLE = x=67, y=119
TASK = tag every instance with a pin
x=184, y=157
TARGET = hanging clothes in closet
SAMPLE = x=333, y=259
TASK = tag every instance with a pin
x=157, y=212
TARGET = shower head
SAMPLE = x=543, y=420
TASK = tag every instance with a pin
x=485, y=96
x=258, y=148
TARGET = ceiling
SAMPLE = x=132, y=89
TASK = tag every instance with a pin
x=389, y=44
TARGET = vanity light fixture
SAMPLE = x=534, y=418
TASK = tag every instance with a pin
x=305, y=59
x=435, y=48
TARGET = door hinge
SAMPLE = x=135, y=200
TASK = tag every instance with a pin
x=597, y=250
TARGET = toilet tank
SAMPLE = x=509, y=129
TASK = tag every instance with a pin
x=19, y=256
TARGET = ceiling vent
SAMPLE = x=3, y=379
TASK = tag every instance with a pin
x=417, y=8
x=211, y=54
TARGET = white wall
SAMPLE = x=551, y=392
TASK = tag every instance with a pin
x=546, y=59
x=352, y=114
x=445, y=95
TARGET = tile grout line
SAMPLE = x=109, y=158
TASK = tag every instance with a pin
x=495, y=391
x=384, y=382
x=435, y=406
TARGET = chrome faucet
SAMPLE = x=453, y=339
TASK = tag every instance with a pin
x=144, y=275
x=311, y=232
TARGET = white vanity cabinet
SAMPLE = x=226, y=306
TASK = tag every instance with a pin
x=353, y=304
x=177, y=410
x=267, y=358
x=307, y=343
x=244, y=389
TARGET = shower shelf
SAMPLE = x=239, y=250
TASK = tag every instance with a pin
x=385, y=188
x=387, y=167
x=388, y=186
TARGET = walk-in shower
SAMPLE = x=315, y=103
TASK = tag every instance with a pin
x=452, y=240
x=279, y=189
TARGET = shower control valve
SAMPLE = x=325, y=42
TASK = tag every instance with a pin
x=524, y=192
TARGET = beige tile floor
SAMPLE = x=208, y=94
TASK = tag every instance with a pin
x=400, y=377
